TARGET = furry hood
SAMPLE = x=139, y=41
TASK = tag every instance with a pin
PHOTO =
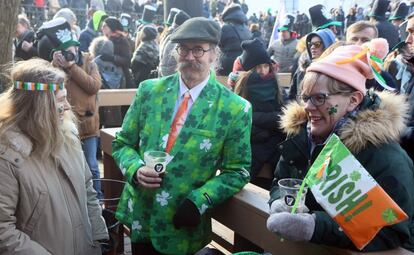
x=304, y=61
x=371, y=126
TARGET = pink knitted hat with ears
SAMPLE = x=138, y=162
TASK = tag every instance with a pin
x=353, y=64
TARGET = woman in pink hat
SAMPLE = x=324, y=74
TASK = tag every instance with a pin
x=334, y=100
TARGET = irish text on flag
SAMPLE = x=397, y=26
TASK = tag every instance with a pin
x=350, y=195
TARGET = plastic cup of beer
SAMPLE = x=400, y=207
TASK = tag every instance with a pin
x=289, y=189
x=157, y=160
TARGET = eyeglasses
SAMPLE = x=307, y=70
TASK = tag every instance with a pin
x=316, y=99
x=197, y=52
x=317, y=44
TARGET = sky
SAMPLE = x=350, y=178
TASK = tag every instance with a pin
x=304, y=5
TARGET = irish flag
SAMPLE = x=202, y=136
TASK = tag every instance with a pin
x=350, y=195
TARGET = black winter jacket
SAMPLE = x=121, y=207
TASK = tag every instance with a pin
x=233, y=33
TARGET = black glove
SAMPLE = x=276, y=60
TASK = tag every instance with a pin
x=107, y=57
x=187, y=215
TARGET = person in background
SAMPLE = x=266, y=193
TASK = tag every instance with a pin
x=97, y=5
x=350, y=18
x=206, y=9
x=113, y=30
x=167, y=25
x=47, y=200
x=234, y=32
x=360, y=14
x=316, y=43
x=319, y=41
x=203, y=127
x=302, y=25
x=168, y=63
x=126, y=21
x=114, y=6
x=258, y=85
x=92, y=30
x=256, y=33
x=112, y=77
x=319, y=19
x=55, y=43
x=339, y=16
x=385, y=29
x=146, y=55
x=284, y=49
x=148, y=16
x=267, y=22
x=360, y=33
x=402, y=68
x=399, y=14
x=70, y=17
x=334, y=100
x=23, y=43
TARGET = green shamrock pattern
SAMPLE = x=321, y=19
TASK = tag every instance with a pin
x=355, y=176
x=216, y=135
x=389, y=216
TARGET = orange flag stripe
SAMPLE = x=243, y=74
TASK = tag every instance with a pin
x=367, y=221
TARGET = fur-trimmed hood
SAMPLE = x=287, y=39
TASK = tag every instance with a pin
x=376, y=124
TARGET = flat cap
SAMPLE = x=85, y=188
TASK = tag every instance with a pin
x=197, y=29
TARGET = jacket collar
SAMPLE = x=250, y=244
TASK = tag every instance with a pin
x=379, y=123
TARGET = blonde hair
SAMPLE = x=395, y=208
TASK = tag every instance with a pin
x=361, y=25
x=301, y=45
x=35, y=113
x=241, y=83
x=334, y=86
x=254, y=26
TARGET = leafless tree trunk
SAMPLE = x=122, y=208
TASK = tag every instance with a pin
x=8, y=20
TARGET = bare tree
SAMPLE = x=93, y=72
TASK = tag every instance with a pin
x=8, y=20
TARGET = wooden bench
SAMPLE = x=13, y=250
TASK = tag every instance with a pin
x=116, y=97
x=284, y=79
x=245, y=214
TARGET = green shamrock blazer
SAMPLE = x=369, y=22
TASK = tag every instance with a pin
x=215, y=136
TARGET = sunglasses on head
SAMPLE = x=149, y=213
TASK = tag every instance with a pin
x=317, y=44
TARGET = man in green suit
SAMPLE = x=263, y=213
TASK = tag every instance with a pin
x=170, y=213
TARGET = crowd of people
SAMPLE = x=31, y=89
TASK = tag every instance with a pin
x=208, y=96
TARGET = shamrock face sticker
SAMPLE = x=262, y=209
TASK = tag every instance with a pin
x=332, y=110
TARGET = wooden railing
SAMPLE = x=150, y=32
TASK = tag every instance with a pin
x=112, y=97
x=284, y=79
x=244, y=215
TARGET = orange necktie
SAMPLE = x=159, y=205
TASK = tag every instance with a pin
x=178, y=122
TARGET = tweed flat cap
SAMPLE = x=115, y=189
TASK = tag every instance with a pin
x=197, y=29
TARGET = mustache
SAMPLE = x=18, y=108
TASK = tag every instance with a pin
x=190, y=64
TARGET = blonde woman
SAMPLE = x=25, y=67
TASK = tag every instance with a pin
x=47, y=201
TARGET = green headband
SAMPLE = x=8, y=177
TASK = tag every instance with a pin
x=38, y=86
